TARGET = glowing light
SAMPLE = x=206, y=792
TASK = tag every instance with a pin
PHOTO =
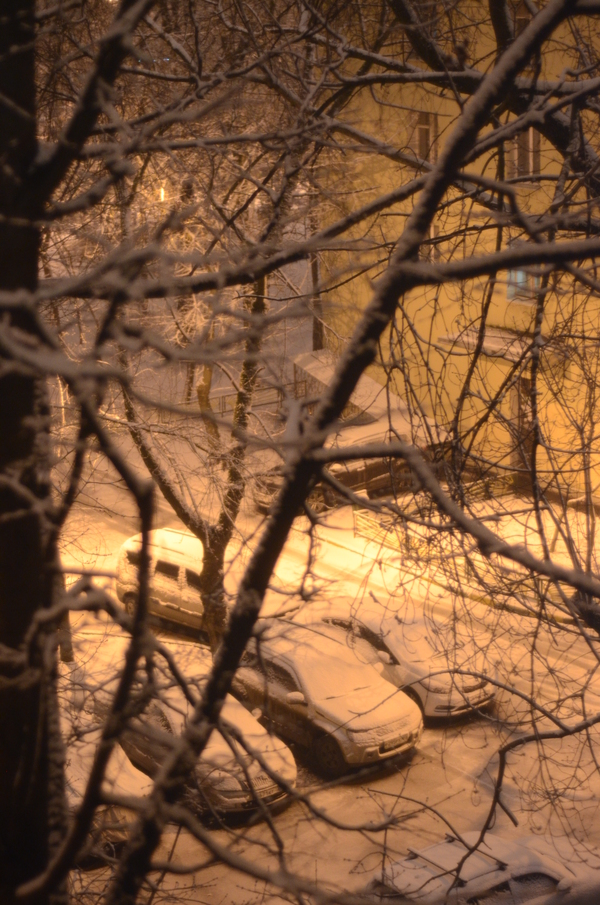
x=162, y=193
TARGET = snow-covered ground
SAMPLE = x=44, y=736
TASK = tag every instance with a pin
x=551, y=787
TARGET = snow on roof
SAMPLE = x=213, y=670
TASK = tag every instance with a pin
x=369, y=396
x=182, y=543
x=497, y=343
x=368, y=401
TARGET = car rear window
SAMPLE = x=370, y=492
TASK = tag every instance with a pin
x=529, y=886
x=170, y=569
x=281, y=676
x=250, y=660
x=193, y=579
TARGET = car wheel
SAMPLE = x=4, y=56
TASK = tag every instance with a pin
x=129, y=602
x=328, y=757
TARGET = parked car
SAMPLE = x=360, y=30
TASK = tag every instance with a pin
x=175, y=564
x=81, y=736
x=443, y=668
x=313, y=689
x=111, y=822
x=241, y=767
x=500, y=871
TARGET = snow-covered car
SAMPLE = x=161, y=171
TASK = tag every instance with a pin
x=444, y=668
x=81, y=736
x=112, y=822
x=311, y=687
x=175, y=564
x=500, y=871
x=242, y=767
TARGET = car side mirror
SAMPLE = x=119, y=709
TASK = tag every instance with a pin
x=257, y=713
x=295, y=697
x=564, y=885
x=384, y=657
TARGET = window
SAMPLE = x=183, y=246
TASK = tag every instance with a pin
x=430, y=249
x=134, y=557
x=341, y=623
x=498, y=895
x=168, y=569
x=425, y=137
x=193, y=580
x=530, y=886
x=522, y=417
x=522, y=18
x=517, y=284
x=528, y=152
x=524, y=154
x=373, y=639
x=521, y=284
x=281, y=676
x=250, y=660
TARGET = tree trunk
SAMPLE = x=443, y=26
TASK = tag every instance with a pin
x=31, y=793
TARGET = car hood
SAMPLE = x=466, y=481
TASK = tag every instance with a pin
x=429, y=876
x=120, y=778
x=249, y=750
x=377, y=706
x=259, y=749
x=422, y=655
x=420, y=884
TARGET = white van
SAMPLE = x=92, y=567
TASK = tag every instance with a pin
x=175, y=565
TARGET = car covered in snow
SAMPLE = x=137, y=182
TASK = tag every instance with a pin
x=242, y=767
x=81, y=736
x=443, y=667
x=312, y=689
x=497, y=871
x=112, y=822
x=175, y=565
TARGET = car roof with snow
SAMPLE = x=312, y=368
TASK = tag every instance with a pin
x=183, y=544
x=316, y=647
x=427, y=874
x=285, y=638
x=408, y=632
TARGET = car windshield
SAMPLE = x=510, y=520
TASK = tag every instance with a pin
x=327, y=678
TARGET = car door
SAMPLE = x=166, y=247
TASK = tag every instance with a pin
x=250, y=682
x=533, y=888
x=166, y=593
x=290, y=718
x=389, y=666
x=191, y=600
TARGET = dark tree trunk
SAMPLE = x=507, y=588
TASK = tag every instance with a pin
x=31, y=795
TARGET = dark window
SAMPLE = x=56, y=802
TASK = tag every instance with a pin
x=193, y=579
x=499, y=895
x=521, y=23
x=528, y=152
x=250, y=660
x=426, y=136
x=522, y=18
x=169, y=569
x=522, y=285
x=342, y=623
x=281, y=676
x=134, y=557
x=524, y=154
x=373, y=639
x=376, y=641
x=430, y=250
x=529, y=886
